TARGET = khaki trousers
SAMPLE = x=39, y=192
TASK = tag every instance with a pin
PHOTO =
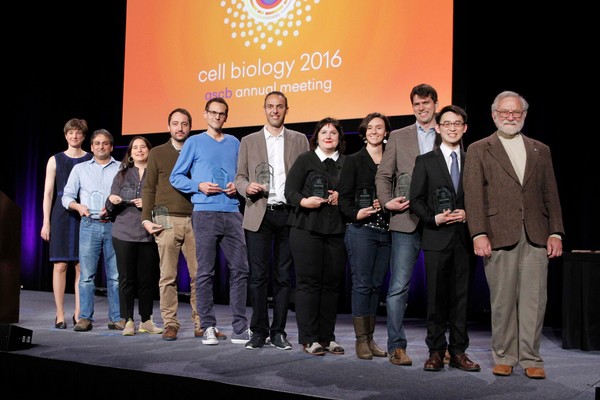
x=517, y=278
x=171, y=242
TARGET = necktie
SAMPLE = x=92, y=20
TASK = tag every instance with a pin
x=454, y=173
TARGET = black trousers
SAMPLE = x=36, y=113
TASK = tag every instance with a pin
x=138, y=266
x=320, y=262
x=270, y=246
x=448, y=274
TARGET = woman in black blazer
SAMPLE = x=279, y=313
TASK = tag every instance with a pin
x=368, y=238
x=317, y=237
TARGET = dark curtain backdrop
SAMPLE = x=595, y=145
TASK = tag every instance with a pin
x=65, y=60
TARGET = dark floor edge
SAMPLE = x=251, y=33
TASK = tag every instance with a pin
x=29, y=376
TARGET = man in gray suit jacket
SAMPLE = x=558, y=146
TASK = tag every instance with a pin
x=515, y=220
x=263, y=163
x=403, y=146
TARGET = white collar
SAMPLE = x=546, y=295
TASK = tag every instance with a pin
x=322, y=156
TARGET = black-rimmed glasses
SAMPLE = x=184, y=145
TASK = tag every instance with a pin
x=215, y=114
x=456, y=124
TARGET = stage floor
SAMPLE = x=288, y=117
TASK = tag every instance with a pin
x=274, y=373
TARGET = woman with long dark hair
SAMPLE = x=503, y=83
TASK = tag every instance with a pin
x=135, y=248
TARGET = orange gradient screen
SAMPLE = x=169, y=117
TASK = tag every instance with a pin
x=338, y=58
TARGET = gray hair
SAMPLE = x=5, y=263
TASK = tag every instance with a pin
x=508, y=93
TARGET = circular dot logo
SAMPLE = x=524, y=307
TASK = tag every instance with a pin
x=268, y=10
x=265, y=23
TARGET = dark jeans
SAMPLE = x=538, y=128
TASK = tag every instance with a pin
x=369, y=252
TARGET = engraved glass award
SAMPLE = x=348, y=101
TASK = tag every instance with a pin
x=127, y=194
x=160, y=216
x=402, y=186
x=220, y=177
x=319, y=186
x=264, y=175
x=96, y=203
x=364, y=198
x=443, y=199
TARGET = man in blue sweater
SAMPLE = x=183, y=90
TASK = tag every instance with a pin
x=206, y=168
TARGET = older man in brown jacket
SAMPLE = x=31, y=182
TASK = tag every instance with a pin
x=515, y=220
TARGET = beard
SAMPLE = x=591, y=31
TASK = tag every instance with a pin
x=179, y=136
x=511, y=128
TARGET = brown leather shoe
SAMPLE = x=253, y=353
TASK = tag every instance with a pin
x=117, y=325
x=447, y=357
x=461, y=361
x=170, y=333
x=502, y=370
x=83, y=325
x=434, y=362
x=399, y=357
x=199, y=333
x=535, y=373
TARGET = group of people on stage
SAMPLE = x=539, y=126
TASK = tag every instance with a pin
x=289, y=212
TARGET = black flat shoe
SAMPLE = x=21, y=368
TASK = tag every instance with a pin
x=74, y=322
x=60, y=325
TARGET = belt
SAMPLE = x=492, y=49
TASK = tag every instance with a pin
x=102, y=221
x=278, y=206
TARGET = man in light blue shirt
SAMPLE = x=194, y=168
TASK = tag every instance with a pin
x=90, y=182
x=403, y=146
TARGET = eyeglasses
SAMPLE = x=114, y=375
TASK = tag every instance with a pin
x=506, y=113
x=456, y=124
x=214, y=114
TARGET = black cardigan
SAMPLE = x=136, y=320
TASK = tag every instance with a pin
x=327, y=219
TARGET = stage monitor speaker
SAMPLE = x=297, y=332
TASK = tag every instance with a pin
x=13, y=337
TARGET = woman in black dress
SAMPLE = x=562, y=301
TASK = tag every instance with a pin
x=64, y=237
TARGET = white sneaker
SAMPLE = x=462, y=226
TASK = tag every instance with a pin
x=129, y=329
x=210, y=336
x=150, y=327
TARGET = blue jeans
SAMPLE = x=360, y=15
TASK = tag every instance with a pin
x=405, y=252
x=212, y=228
x=95, y=238
x=369, y=255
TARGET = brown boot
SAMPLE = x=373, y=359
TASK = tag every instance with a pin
x=361, y=329
x=375, y=350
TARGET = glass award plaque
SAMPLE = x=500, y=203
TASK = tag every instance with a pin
x=220, y=177
x=443, y=199
x=127, y=194
x=160, y=216
x=364, y=198
x=96, y=203
x=402, y=186
x=264, y=175
x=319, y=187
